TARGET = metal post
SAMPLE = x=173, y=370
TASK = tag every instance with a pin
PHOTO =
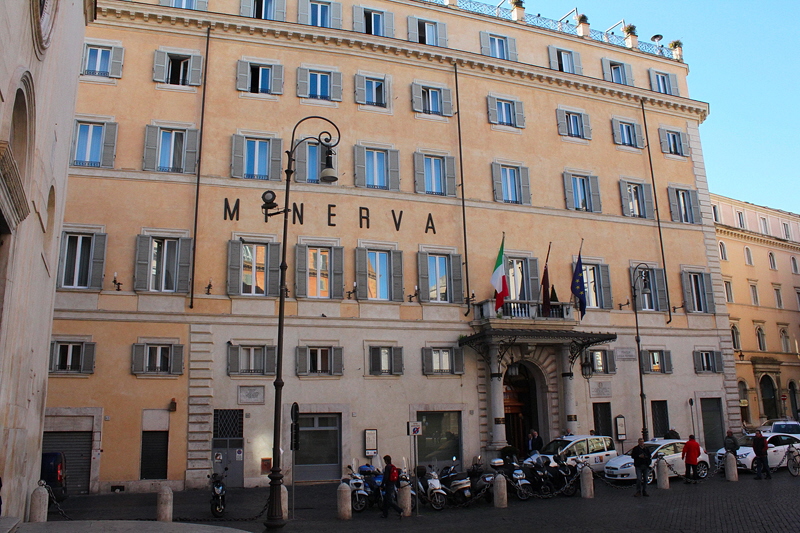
x=637, y=273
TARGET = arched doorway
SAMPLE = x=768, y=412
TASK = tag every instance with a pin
x=521, y=402
x=793, y=398
x=768, y=399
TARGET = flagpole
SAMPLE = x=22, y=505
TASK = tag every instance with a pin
x=580, y=249
x=539, y=291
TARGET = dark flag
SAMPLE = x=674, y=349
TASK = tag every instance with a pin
x=545, y=293
x=579, y=286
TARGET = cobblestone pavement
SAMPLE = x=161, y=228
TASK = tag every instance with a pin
x=713, y=506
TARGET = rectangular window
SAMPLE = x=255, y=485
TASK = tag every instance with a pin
x=581, y=193
x=636, y=200
x=728, y=291
x=575, y=124
x=764, y=226
x=373, y=22
x=431, y=101
x=434, y=176
x=674, y=140
x=438, y=278
x=98, y=61
x=442, y=361
x=505, y=113
x=157, y=358
x=69, y=357
x=178, y=70
x=427, y=32
x=378, y=277
x=319, y=85
x=778, y=298
x=251, y=360
x=715, y=212
x=498, y=47
x=171, y=150
x=254, y=269
x=660, y=417
x=740, y=219
x=319, y=360
x=565, y=61
x=662, y=83
x=646, y=290
x=518, y=279
x=164, y=265
x=754, y=294
x=185, y=4
x=618, y=73
x=89, y=145
x=656, y=358
x=320, y=14
x=707, y=361
x=377, y=175
x=603, y=361
x=264, y=9
x=591, y=280
x=445, y=440
x=685, y=213
x=511, y=185
x=77, y=261
x=787, y=234
x=319, y=274
x=627, y=134
x=698, y=292
x=381, y=360
x=260, y=77
x=256, y=159
x=313, y=162
x=375, y=92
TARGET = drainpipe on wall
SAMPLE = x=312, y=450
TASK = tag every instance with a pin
x=463, y=204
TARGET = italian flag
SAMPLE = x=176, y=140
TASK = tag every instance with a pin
x=499, y=281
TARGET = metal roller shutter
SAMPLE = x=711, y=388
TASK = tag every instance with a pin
x=77, y=448
x=155, y=446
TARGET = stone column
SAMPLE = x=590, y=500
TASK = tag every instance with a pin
x=570, y=418
x=498, y=421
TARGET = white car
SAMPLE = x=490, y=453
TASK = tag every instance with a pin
x=621, y=468
x=777, y=444
x=593, y=449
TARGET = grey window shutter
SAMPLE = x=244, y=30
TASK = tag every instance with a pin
x=664, y=140
x=638, y=300
x=685, y=148
x=422, y=275
x=234, y=267
x=653, y=79
x=280, y=10
x=53, y=356
x=109, y=145
x=337, y=367
x=605, y=280
x=237, y=156
x=336, y=15
x=708, y=288
x=606, y=64
x=644, y=356
x=150, y=148
x=361, y=88
x=246, y=8
x=447, y=103
x=98, y=261
x=419, y=172
x=450, y=175
x=358, y=19
x=688, y=302
x=397, y=360
x=491, y=103
x=195, y=70
x=397, y=275
x=160, y=66
x=191, y=153
x=628, y=74
x=667, y=363
x=276, y=79
x=375, y=360
x=441, y=34
x=259, y=361
x=587, y=126
x=416, y=97
x=337, y=268
x=243, y=76
x=519, y=114
x=303, y=12
x=117, y=56
x=87, y=361
x=302, y=360
x=525, y=185
x=698, y=361
x=623, y=194
x=184, y=265
x=561, y=120
x=413, y=29
x=360, y=159
x=659, y=276
x=302, y=78
x=202, y=5
x=497, y=182
x=361, y=274
x=512, y=49
x=552, y=54
x=697, y=216
x=427, y=361
x=394, y=170
x=276, y=162
x=137, y=358
x=718, y=363
x=300, y=162
x=576, y=62
x=615, y=126
x=458, y=361
x=336, y=86
x=457, y=277
x=673, y=85
x=300, y=270
x=274, y=269
x=141, y=277
x=533, y=279
x=270, y=360
x=62, y=260
x=649, y=209
x=388, y=24
x=568, y=192
x=672, y=194
x=594, y=186
x=611, y=362
x=485, y=46
x=639, y=135
x=233, y=359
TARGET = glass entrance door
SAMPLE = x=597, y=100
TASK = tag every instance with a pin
x=319, y=457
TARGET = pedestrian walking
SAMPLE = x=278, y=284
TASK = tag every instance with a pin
x=641, y=462
x=760, y=449
x=391, y=478
x=690, y=455
x=730, y=443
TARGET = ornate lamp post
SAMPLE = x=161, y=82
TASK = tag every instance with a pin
x=640, y=273
x=275, y=518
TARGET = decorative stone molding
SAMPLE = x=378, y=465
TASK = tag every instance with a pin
x=43, y=14
x=13, y=203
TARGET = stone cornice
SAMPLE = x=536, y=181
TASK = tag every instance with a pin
x=758, y=238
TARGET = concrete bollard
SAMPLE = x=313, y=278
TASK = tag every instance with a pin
x=345, y=507
x=164, y=505
x=587, y=483
x=404, y=499
x=500, y=491
x=285, y=502
x=39, y=501
x=731, y=470
x=662, y=475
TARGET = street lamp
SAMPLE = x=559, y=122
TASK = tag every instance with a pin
x=640, y=272
x=275, y=518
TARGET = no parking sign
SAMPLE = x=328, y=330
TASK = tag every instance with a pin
x=415, y=428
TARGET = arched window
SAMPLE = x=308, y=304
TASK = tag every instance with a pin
x=794, y=265
x=737, y=343
x=748, y=256
x=723, y=251
x=772, y=264
x=743, y=402
x=785, y=341
x=762, y=339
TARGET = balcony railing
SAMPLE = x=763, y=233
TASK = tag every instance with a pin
x=523, y=309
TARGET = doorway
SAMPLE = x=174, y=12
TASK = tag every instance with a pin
x=319, y=456
x=521, y=404
x=227, y=448
x=602, y=419
x=768, y=399
x=713, y=431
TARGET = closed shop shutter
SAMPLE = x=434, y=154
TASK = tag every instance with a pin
x=77, y=449
x=155, y=445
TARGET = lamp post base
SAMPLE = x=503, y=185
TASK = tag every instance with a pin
x=275, y=518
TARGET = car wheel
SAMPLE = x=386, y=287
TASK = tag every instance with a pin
x=753, y=466
x=651, y=476
x=702, y=470
x=794, y=464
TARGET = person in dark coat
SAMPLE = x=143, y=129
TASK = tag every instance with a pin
x=730, y=443
x=762, y=461
x=390, y=488
x=534, y=442
x=641, y=462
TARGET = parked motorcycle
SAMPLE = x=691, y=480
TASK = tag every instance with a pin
x=429, y=488
x=359, y=497
x=482, y=483
x=536, y=469
x=560, y=477
x=515, y=477
x=565, y=475
x=455, y=484
x=218, y=493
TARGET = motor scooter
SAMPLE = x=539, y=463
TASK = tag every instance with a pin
x=359, y=496
x=218, y=492
x=515, y=477
x=429, y=488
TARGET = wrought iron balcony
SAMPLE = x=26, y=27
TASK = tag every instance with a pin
x=524, y=309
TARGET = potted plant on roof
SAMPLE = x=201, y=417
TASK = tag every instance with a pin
x=631, y=37
x=677, y=49
x=583, y=26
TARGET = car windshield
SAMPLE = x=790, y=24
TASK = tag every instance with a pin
x=555, y=446
x=746, y=440
x=650, y=448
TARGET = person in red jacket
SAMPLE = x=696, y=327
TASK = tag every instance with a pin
x=690, y=454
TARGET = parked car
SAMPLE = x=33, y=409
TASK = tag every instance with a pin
x=780, y=426
x=621, y=468
x=777, y=444
x=595, y=450
x=54, y=473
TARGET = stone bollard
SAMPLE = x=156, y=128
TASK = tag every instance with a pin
x=731, y=470
x=285, y=502
x=500, y=491
x=662, y=475
x=343, y=502
x=587, y=483
x=404, y=499
x=39, y=501
x=164, y=505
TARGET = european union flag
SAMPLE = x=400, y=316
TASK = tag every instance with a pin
x=579, y=286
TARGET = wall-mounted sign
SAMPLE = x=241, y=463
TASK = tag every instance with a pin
x=625, y=354
x=370, y=442
x=599, y=389
x=415, y=428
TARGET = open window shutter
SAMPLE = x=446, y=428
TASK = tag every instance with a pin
x=275, y=162
x=270, y=360
x=397, y=360
x=611, y=362
x=190, y=156
x=202, y=5
x=698, y=361
x=62, y=257
x=361, y=88
x=246, y=8
x=336, y=86
x=53, y=356
x=388, y=24
x=673, y=85
x=450, y=175
x=568, y=193
x=485, y=46
x=491, y=103
x=664, y=140
x=497, y=182
x=243, y=76
x=708, y=288
x=300, y=270
x=413, y=29
x=258, y=361
x=623, y=194
x=233, y=359
x=653, y=79
x=447, y=102
x=109, y=145
x=639, y=135
x=685, y=148
x=628, y=74
x=512, y=49
x=533, y=277
x=606, y=64
x=234, y=267
x=561, y=120
x=416, y=97
x=195, y=70
x=552, y=54
x=141, y=277
x=615, y=131
x=649, y=209
x=375, y=360
x=360, y=158
x=422, y=275
x=687, y=293
x=184, y=265
x=587, y=126
x=302, y=360
x=605, y=280
x=427, y=361
x=441, y=34
x=659, y=277
x=361, y=274
x=160, y=66
x=667, y=366
x=394, y=169
x=300, y=162
x=419, y=172
x=302, y=77
x=594, y=185
x=697, y=216
x=274, y=269
x=457, y=277
x=358, y=19
x=576, y=62
x=672, y=194
x=336, y=15
x=397, y=275
x=98, y=261
x=137, y=358
x=276, y=79
x=338, y=361
x=87, y=361
x=644, y=356
x=117, y=55
x=718, y=363
x=150, y=147
x=519, y=114
x=303, y=12
x=525, y=185
x=337, y=268
x=458, y=361
x=280, y=10
x=237, y=156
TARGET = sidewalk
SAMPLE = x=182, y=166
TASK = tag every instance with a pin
x=119, y=526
